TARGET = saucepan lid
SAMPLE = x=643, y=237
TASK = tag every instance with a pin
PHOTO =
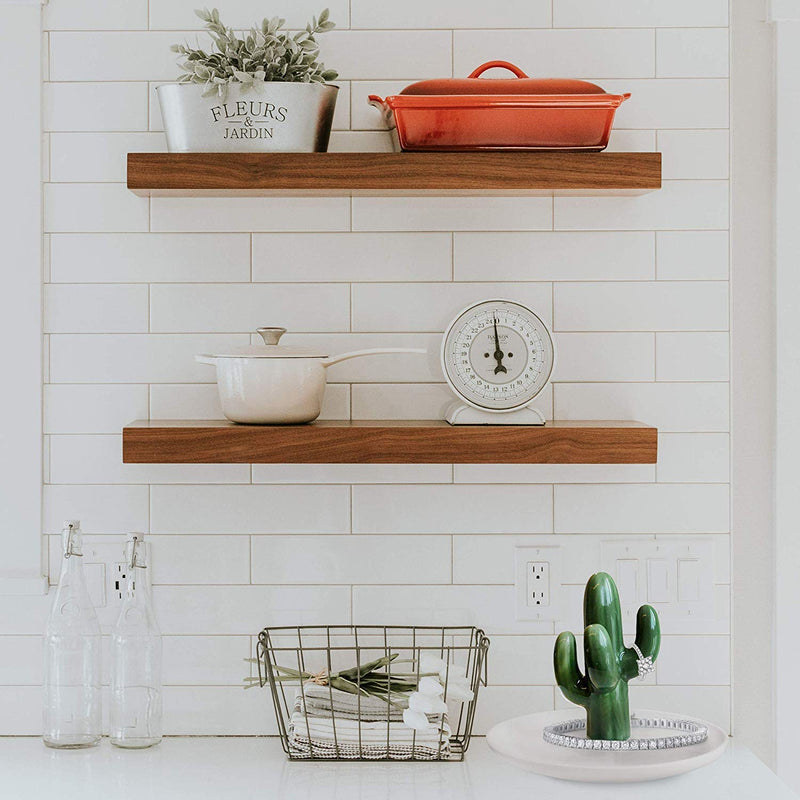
x=270, y=348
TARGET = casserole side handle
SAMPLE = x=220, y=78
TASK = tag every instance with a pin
x=383, y=106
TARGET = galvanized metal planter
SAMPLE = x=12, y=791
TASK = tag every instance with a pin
x=280, y=117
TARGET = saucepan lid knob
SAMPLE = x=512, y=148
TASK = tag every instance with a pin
x=271, y=336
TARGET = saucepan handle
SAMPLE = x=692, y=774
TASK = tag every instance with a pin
x=210, y=360
x=375, y=351
x=503, y=64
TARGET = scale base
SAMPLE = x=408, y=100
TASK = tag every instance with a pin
x=461, y=414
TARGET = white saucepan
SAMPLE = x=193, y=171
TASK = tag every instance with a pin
x=273, y=385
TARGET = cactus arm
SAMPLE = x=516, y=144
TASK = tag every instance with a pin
x=601, y=605
x=602, y=663
x=648, y=639
x=568, y=677
x=648, y=632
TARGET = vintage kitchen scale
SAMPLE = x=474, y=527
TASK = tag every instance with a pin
x=497, y=356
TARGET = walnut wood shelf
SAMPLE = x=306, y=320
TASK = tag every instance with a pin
x=387, y=442
x=495, y=172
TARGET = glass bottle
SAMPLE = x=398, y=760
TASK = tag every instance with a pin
x=136, y=658
x=72, y=655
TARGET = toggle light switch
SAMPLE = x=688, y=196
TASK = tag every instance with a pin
x=657, y=580
x=675, y=573
x=688, y=580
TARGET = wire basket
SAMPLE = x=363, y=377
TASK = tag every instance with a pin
x=304, y=665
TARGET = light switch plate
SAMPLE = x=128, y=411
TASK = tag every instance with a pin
x=673, y=574
x=537, y=579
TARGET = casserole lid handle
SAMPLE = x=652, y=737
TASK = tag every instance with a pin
x=476, y=73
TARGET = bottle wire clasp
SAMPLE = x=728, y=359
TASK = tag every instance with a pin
x=72, y=546
x=136, y=554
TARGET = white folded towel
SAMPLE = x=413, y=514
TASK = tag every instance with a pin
x=322, y=700
x=348, y=731
x=321, y=735
x=301, y=747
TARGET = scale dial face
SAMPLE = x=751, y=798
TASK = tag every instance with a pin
x=497, y=355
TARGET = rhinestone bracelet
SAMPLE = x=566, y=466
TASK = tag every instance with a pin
x=690, y=733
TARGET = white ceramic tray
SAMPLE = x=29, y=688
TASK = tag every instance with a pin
x=520, y=740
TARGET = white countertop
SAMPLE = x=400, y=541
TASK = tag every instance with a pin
x=242, y=767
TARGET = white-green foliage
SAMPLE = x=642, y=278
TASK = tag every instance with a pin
x=267, y=53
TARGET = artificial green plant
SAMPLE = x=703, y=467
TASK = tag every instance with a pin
x=267, y=53
x=603, y=690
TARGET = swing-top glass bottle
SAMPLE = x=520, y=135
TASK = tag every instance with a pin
x=72, y=655
x=136, y=658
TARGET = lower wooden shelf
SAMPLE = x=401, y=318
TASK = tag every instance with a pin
x=387, y=442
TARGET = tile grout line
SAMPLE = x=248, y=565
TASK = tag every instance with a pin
x=655, y=52
x=452, y=558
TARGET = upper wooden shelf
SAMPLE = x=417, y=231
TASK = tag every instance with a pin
x=488, y=172
x=387, y=442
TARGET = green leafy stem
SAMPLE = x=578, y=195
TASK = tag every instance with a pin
x=266, y=53
x=367, y=680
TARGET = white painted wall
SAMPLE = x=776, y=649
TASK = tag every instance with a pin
x=785, y=18
x=753, y=378
x=636, y=289
x=21, y=570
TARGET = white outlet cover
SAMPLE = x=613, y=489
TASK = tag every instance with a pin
x=101, y=555
x=524, y=555
x=674, y=574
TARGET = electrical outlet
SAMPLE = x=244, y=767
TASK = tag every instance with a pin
x=104, y=567
x=538, y=582
x=120, y=576
x=538, y=588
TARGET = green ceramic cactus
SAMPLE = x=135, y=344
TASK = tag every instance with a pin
x=603, y=690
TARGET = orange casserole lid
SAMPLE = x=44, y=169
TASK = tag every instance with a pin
x=521, y=84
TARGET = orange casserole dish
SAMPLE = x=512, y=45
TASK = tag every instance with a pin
x=518, y=113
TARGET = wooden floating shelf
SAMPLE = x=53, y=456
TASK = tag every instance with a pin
x=387, y=442
x=487, y=172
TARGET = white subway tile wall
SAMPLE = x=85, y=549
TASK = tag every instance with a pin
x=97, y=157
x=635, y=287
